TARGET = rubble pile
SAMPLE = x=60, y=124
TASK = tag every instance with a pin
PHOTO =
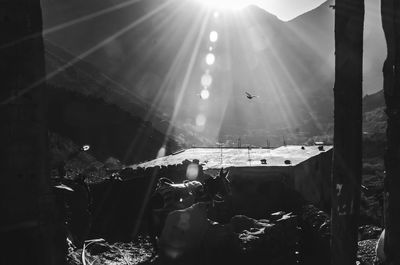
x=315, y=236
x=245, y=240
x=271, y=241
x=369, y=232
x=366, y=252
x=368, y=238
x=103, y=253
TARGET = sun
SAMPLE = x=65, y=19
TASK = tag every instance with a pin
x=226, y=4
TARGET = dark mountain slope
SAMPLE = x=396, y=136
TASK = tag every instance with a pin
x=89, y=108
x=373, y=101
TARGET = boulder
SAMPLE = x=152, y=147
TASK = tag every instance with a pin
x=265, y=241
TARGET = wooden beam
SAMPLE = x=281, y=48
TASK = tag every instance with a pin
x=347, y=164
x=29, y=228
x=390, y=10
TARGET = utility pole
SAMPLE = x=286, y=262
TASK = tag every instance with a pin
x=390, y=11
x=248, y=154
x=347, y=163
x=221, y=156
x=220, y=146
x=30, y=229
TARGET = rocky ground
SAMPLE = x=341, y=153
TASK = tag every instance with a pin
x=140, y=250
x=242, y=240
x=253, y=240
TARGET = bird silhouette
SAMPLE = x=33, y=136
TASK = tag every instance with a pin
x=250, y=96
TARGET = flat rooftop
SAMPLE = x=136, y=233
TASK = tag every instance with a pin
x=214, y=158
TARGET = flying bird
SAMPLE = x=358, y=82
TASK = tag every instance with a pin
x=250, y=96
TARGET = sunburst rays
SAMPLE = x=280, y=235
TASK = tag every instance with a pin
x=266, y=72
x=85, y=54
x=173, y=77
x=70, y=23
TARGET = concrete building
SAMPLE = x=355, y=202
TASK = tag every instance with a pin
x=263, y=179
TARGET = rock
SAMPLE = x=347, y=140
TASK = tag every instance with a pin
x=269, y=241
x=287, y=218
x=277, y=215
x=242, y=222
x=98, y=248
x=369, y=232
x=366, y=251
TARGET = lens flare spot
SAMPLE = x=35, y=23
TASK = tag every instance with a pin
x=205, y=94
x=216, y=14
x=213, y=36
x=206, y=80
x=172, y=253
x=210, y=58
x=201, y=120
x=85, y=147
x=192, y=171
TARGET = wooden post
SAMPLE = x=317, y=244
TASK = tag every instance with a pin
x=347, y=163
x=390, y=10
x=29, y=230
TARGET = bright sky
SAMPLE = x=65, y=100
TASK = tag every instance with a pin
x=287, y=9
x=283, y=9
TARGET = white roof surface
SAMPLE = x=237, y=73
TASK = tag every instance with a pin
x=211, y=158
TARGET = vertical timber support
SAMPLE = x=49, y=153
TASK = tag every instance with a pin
x=390, y=11
x=347, y=159
x=29, y=230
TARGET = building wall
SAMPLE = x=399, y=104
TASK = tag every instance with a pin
x=312, y=179
x=257, y=191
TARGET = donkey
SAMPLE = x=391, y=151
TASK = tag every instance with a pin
x=169, y=196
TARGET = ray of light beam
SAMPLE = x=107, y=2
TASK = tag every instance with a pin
x=297, y=91
x=187, y=75
x=85, y=54
x=287, y=76
x=70, y=23
x=172, y=73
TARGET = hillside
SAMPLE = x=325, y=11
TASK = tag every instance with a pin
x=374, y=125
x=373, y=101
x=288, y=64
x=87, y=107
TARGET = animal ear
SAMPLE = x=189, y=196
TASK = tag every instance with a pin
x=221, y=171
x=224, y=173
